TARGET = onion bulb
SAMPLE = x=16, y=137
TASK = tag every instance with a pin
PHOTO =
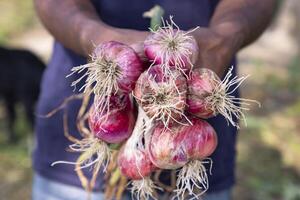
x=136, y=165
x=209, y=96
x=186, y=147
x=114, y=68
x=162, y=98
x=174, y=147
x=134, y=161
x=116, y=124
x=172, y=47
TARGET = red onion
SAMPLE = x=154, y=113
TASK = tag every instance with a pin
x=209, y=96
x=115, y=124
x=174, y=147
x=114, y=67
x=136, y=165
x=134, y=161
x=186, y=147
x=161, y=97
x=121, y=62
x=202, y=84
x=173, y=47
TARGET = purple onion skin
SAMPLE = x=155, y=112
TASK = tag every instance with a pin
x=116, y=125
x=128, y=63
x=144, y=87
x=154, y=51
x=173, y=148
x=135, y=166
x=200, y=86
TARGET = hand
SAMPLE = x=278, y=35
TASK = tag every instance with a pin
x=133, y=38
x=130, y=37
x=216, y=48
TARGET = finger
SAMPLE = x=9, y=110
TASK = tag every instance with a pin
x=139, y=49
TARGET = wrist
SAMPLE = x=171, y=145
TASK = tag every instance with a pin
x=231, y=34
x=93, y=34
x=217, y=47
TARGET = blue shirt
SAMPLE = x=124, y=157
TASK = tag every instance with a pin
x=51, y=143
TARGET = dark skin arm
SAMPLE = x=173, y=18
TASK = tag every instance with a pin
x=235, y=24
x=76, y=25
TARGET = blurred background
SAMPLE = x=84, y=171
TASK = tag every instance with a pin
x=269, y=147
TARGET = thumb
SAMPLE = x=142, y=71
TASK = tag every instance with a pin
x=139, y=49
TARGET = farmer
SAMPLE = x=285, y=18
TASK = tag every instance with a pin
x=77, y=25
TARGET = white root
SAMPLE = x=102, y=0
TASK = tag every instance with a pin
x=165, y=103
x=101, y=76
x=143, y=189
x=172, y=41
x=94, y=152
x=221, y=100
x=135, y=144
x=141, y=129
x=192, y=180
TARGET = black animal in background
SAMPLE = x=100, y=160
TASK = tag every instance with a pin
x=20, y=76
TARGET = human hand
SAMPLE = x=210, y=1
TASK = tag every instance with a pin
x=133, y=38
x=217, y=47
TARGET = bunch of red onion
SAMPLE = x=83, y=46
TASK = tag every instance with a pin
x=172, y=96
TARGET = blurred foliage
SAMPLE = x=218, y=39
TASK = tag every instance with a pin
x=15, y=159
x=294, y=75
x=269, y=147
x=16, y=16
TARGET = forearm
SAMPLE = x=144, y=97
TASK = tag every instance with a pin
x=242, y=21
x=73, y=23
